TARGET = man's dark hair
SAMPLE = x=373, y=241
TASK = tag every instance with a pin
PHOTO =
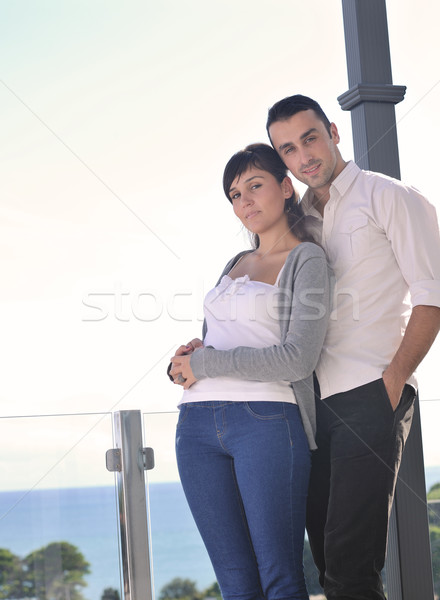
x=286, y=108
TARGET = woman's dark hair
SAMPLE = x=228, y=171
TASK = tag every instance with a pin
x=265, y=158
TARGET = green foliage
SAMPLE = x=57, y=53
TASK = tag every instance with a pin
x=53, y=572
x=11, y=575
x=434, y=536
x=434, y=506
x=434, y=492
x=185, y=589
x=110, y=594
x=56, y=571
x=213, y=591
x=180, y=589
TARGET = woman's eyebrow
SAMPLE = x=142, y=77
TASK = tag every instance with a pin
x=247, y=181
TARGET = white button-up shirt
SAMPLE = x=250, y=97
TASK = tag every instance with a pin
x=382, y=242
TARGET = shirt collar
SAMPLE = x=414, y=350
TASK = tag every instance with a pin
x=341, y=184
x=345, y=178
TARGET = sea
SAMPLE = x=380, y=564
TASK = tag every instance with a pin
x=87, y=518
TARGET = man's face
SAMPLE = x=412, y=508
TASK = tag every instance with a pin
x=307, y=149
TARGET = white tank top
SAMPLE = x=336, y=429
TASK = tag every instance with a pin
x=241, y=312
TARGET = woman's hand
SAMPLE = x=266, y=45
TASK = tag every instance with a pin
x=190, y=347
x=181, y=371
x=183, y=351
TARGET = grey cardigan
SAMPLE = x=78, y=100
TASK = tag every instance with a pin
x=304, y=310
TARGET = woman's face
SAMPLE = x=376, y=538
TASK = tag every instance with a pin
x=258, y=200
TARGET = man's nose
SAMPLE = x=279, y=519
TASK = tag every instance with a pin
x=305, y=155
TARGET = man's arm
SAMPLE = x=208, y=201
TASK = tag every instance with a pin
x=422, y=328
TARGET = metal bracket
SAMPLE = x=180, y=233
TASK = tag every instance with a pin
x=113, y=460
x=148, y=458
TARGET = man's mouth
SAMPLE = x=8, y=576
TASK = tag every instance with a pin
x=311, y=170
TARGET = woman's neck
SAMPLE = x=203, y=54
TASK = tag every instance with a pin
x=279, y=242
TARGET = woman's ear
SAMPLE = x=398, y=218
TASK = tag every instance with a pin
x=287, y=187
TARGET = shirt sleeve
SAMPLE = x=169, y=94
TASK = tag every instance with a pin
x=410, y=223
x=305, y=305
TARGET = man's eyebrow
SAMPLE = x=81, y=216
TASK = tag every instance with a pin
x=302, y=137
x=247, y=180
x=308, y=132
x=284, y=146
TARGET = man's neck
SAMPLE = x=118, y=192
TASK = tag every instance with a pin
x=320, y=199
x=322, y=195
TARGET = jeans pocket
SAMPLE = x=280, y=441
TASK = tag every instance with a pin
x=183, y=413
x=266, y=410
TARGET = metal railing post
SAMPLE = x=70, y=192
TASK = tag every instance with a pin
x=130, y=459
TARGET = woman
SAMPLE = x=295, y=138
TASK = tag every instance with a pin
x=247, y=421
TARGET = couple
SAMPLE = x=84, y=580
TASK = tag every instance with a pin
x=264, y=446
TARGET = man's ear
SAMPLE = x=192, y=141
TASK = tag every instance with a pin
x=334, y=134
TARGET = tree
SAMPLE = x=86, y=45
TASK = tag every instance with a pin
x=434, y=532
x=434, y=492
x=434, y=536
x=56, y=572
x=180, y=589
x=11, y=575
x=110, y=594
x=213, y=591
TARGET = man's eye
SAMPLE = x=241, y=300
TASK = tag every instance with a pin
x=288, y=150
x=310, y=139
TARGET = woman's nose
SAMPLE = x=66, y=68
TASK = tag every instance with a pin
x=246, y=199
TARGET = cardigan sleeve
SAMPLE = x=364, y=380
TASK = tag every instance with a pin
x=304, y=310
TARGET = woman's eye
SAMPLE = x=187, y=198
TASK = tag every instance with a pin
x=256, y=186
x=235, y=196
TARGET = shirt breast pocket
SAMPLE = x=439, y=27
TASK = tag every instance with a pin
x=354, y=236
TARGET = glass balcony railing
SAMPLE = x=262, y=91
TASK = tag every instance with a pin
x=59, y=521
x=58, y=510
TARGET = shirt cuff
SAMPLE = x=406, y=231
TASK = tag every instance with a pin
x=425, y=293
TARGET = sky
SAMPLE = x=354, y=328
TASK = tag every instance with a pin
x=116, y=122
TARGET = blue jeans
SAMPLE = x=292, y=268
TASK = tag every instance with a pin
x=244, y=468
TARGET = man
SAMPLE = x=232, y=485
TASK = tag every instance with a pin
x=382, y=241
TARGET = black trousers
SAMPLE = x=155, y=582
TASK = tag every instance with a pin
x=360, y=443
